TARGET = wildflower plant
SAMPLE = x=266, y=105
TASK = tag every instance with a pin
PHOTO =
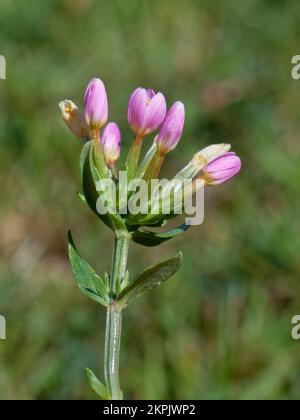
x=105, y=190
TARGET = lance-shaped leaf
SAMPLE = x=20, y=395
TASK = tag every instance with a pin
x=96, y=385
x=149, y=279
x=90, y=195
x=147, y=238
x=88, y=185
x=87, y=279
x=111, y=218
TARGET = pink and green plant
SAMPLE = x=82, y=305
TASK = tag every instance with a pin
x=147, y=112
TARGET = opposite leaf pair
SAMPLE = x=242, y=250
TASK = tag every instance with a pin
x=97, y=288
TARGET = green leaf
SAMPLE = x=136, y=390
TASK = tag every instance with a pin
x=99, y=160
x=87, y=279
x=90, y=178
x=88, y=185
x=147, y=238
x=84, y=155
x=96, y=385
x=149, y=279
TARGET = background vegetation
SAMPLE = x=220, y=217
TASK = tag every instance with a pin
x=220, y=329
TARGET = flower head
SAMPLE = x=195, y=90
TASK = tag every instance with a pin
x=95, y=104
x=221, y=169
x=74, y=119
x=172, y=128
x=111, y=142
x=146, y=111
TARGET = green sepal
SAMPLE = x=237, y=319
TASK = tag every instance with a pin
x=96, y=385
x=86, y=278
x=149, y=279
x=147, y=238
x=146, y=161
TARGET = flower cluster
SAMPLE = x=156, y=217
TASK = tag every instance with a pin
x=129, y=212
x=147, y=112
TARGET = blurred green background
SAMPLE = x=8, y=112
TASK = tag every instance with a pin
x=221, y=328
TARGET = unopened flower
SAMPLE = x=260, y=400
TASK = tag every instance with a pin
x=96, y=104
x=201, y=159
x=74, y=119
x=172, y=128
x=146, y=111
x=221, y=169
x=210, y=153
x=111, y=142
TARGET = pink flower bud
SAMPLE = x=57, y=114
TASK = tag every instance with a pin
x=95, y=104
x=74, y=119
x=111, y=142
x=222, y=169
x=172, y=128
x=146, y=111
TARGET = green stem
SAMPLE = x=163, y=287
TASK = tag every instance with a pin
x=112, y=351
x=114, y=316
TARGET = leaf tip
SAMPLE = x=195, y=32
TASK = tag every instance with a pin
x=96, y=385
